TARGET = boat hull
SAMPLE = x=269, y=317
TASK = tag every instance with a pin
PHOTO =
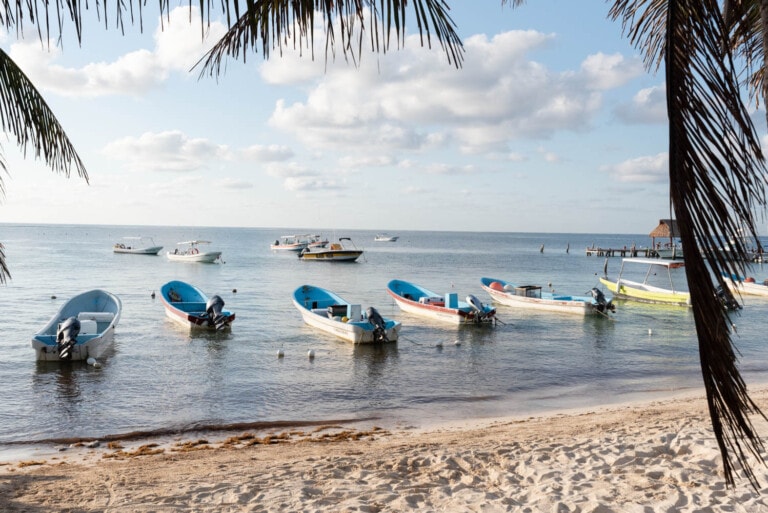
x=411, y=299
x=155, y=250
x=207, y=257
x=190, y=312
x=548, y=302
x=748, y=288
x=99, y=313
x=313, y=303
x=331, y=255
x=634, y=291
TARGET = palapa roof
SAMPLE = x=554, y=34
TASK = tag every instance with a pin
x=666, y=228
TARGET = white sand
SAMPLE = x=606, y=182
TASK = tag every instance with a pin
x=651, y=457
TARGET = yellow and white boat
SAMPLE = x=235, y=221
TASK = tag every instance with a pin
x=623, y=288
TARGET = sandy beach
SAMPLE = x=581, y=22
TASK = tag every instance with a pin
x=644, y=457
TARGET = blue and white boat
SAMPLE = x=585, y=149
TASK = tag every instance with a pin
x=417, y=300
x=190, y=307
x=326, y=311
x=82, y=328
x=531, y=297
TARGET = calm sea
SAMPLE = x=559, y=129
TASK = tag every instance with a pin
x=159, y=376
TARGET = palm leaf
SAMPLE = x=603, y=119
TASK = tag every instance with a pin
x=271, y=24
x=25, y=114
x=717, y=177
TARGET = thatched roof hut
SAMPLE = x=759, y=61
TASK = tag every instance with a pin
x=667, y=229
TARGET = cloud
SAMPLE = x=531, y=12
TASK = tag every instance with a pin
x=165, y=151
x=311, y=184
x=649, y=169
x=177, y=48
x=647, y=106
x=270, y=153
x=601, y=71
x=411, y=100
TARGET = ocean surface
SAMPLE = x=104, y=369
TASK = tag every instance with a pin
x=159, y=376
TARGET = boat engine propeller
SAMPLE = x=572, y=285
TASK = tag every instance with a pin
x=379, y=325
x=66, y=337
x=478, y=307
x=603, y=305
x=213, y=308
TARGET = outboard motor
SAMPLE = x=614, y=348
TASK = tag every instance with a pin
x=603, y=305
x=213, y=308
x=379, y=325
x=477, y=306
x=729, y=302
x=66, y=337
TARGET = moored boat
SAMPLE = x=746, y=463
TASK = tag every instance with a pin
x=192, y=253
x=645, y=291
x=385, y=237
x=417, y=300
x=190, y=307
x=533, y=298
x=82, y=328
x=290, y=243
x=328, y=312
x=335, y=252
x=137, y=246
x=746, y=286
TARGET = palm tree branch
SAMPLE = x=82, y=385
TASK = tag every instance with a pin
x=25, y=114
x=717, y=180
x=271, y=23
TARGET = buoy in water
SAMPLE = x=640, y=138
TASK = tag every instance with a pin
x=280, y=353
x=457, y=343
x=234, y=291
x=650, y=331
x=311, y=354
x=96, y=365
x=91, y=360
x=439, y=344
x=152, y=295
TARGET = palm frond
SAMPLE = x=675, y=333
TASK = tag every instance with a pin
x=717, y=179
x=273, y=24
x=5, y=274
x=25, y=114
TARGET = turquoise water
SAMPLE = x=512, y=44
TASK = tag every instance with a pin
x=158, y=376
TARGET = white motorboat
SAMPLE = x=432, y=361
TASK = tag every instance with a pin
x=192, y=253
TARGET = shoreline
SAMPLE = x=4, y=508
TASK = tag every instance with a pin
x=658, y=455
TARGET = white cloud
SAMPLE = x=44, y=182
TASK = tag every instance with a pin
x=269, y=153
x=647, y=106
x=648, y=169
x=165, y=151
x=310, y=184
x=412, y=100
x=177, y=48
x=603, y=71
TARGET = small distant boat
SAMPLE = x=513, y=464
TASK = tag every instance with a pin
x=384, y=237
x=746, y=286
x=82, y=328
x=643, y=291
x=193, y=253
x=137, y=246
x=531, y=297
x=290, y=243
x=417, y=300
x=326, y=311
x=190, y=307
x=336, y=252
x=317, y=241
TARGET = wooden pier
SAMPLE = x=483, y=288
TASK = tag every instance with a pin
x=622, y=252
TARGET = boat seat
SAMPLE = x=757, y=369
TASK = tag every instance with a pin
x=88, y=327
x=95, y=316
x=337, y=311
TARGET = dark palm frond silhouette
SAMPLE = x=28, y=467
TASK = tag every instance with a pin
x=716, y=168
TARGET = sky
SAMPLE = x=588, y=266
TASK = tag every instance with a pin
x=551, y=125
